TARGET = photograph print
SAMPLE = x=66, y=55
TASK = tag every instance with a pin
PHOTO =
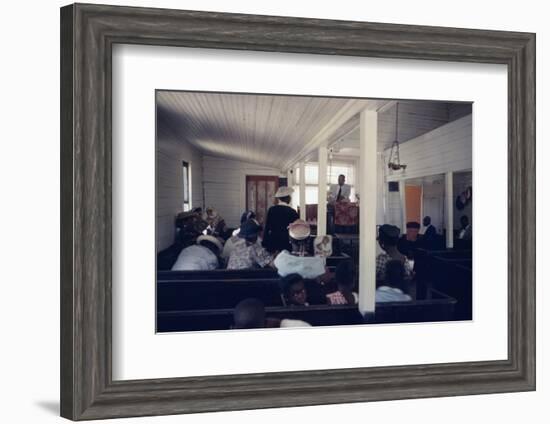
x=277, y=211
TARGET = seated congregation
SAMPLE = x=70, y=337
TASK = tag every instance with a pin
x=281, y=275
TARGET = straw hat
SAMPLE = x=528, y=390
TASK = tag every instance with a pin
x=284, y=191
x=299, y=230
x=211, y=239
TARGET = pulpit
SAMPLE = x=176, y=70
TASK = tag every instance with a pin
x=346, y=217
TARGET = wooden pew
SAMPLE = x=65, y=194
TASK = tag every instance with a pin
x=215, y=294
x=335, y=260
x=221, y=274
x=454, y=278
x=428, y=270
x=439, y=308
x=222, y=319
x=217, y=274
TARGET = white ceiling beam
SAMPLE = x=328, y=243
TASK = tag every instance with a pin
x=352, y=107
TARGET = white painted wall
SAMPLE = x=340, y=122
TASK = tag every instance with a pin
x=433, y=202
x=447, y=148
x=225, y=185
x=171, y=152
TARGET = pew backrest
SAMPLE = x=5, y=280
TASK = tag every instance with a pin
x=216, y=294
x=439, y=308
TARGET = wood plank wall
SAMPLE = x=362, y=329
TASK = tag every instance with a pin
x=447, y=148
x=224, y=185
x=171, y=151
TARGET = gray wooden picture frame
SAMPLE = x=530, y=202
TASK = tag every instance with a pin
x=88, y=33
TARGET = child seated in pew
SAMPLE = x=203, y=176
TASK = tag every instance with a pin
x=394, y=286
x=345, y=284
x=294, y=290
x=250, y=313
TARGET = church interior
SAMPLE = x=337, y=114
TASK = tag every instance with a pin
x=296, y=211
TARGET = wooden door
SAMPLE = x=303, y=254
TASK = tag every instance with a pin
x=260, y=194
x=413, y=202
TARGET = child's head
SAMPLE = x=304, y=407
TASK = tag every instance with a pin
x=295, y=289
x=344, y=277
x=249, y=313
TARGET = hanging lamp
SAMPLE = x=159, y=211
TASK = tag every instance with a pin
x=393, y=161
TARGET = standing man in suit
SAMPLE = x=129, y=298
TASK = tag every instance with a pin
x=430, y=233
x=279, y=217
x=340, y=192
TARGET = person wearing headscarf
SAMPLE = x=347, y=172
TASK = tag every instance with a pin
x=216, y=224
x=231, y=241
x=394, y=286
x=279, y=217
x=388, y=237
x=246, y=253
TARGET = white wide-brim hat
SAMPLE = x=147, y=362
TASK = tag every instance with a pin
x=211, y=239
x=284, y=191
x=299, y=230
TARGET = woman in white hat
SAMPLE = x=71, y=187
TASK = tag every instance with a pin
x=279, y=217
x=297, y=262
x=202, y=256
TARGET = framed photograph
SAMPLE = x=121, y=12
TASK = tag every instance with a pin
x=265, y=211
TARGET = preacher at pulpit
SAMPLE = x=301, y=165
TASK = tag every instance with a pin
x=340, y=192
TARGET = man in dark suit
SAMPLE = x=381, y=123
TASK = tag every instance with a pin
x=279, y=217
x=430, y=233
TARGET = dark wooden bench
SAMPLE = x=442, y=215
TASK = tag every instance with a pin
x=439, y=308
x=216, y=294
x=226, y=293
x=454, y=278
x=217, y=274
x=437, y=269
x=222, y=319
x=333, y=261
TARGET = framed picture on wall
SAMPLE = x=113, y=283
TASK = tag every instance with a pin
x=215, y=190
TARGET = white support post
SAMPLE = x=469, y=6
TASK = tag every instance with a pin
x=403, y=199
x=449, y=209
x=303, y=190
x=368, y=139
x=322, y=192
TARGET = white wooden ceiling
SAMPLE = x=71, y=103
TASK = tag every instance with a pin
x=415, y=118
x=262, y=129
x=274, y=130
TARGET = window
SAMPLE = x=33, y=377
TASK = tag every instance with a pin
x=312, y=180
x=346, y=169
x=186, y=187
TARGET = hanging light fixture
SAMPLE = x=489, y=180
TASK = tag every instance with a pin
x=393, y=161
